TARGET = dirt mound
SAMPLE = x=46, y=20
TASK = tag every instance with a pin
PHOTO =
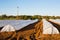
x=30, y=32
x=24, y=33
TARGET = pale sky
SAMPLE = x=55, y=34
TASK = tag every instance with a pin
x=30, y=7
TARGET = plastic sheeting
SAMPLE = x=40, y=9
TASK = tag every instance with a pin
x=17, y=24
x=55, y=20
x=8, y=28
x=48, y=28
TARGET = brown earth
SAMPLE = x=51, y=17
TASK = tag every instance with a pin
x=30, y=32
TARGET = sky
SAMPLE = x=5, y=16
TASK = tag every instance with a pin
x=30, y=7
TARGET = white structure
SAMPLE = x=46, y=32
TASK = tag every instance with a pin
x=48, y=28
x=17, y=24
x=8, y=28
x=55, y=21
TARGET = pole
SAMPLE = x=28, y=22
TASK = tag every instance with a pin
x=17, y=12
